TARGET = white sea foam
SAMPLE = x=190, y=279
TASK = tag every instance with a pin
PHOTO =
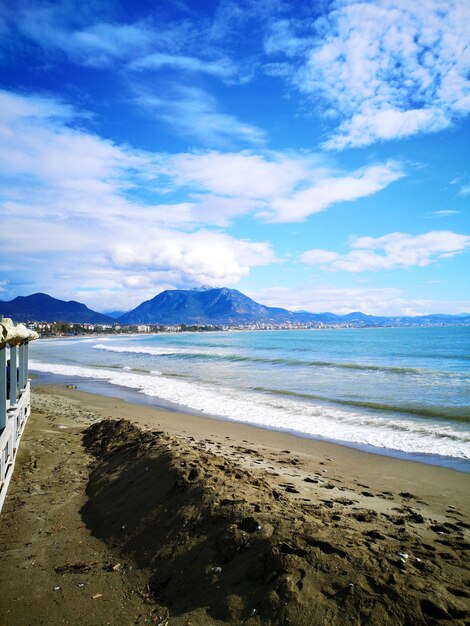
x=59, y=341
x=159, y=350
x=406, y=435
x=136, y=350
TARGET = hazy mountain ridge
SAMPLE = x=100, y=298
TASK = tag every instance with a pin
x=206, y=306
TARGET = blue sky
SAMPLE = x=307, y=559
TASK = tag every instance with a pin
x=314, y=155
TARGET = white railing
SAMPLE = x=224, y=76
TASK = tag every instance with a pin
x=10, y=440
x=14, y=395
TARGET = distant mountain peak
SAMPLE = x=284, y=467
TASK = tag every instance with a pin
x=205, y=288
x=207, y=305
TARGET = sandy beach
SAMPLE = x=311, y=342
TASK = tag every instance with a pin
x=124, y=514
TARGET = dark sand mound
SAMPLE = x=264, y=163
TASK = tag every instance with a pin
x=222, y=546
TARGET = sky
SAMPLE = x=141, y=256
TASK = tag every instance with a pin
x=313, y=154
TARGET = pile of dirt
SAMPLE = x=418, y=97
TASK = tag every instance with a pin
x=221, y=545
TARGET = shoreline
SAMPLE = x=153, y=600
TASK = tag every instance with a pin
x=363, y=465
x=123, y=513
x=133, y=396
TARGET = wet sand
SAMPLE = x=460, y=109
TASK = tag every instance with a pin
x=183, y=519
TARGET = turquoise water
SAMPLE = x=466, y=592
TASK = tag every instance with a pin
x=392, y=389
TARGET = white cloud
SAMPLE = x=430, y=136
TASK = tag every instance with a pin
x=279, y=187
x=328, y=298
x=372, y=124
x=385, y=70
x=231, y=17
x=241, y=174
x=320, y=298
x=442, y=213
x=204, y=257
x=36, y=141
x=19, y=235
x=392, y=251
x=154, y=43
x=283, y=38
x=96, y=44
x=31, y=107
x=193, y=112
x=331, y=190
x=318, y=257
x=223, y=68
x=464, y=190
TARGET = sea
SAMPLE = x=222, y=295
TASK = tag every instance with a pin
x=402, y=392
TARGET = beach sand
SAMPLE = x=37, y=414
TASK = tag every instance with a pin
x=169, y=518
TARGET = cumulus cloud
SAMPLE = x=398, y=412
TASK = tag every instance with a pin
x=385, y=70
x=392, y=251
x=204, y=257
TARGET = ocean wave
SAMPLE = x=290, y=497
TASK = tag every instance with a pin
x=188, y=352
x=286, y=414
x=458, y=414
x=191, y=353
x=131, y=350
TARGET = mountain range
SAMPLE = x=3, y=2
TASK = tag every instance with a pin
x=216, y=306
x=40, y=307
